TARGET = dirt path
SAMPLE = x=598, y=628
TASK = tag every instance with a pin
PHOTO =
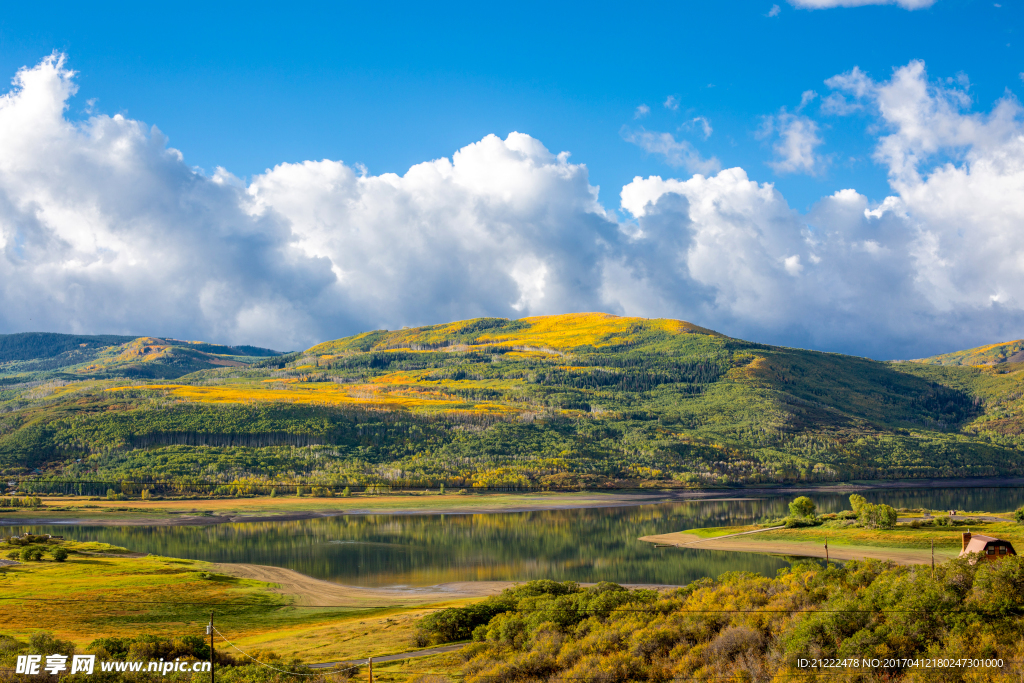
x=739, y=543
x=394, y=658
x=713, y=538
x=318, y=593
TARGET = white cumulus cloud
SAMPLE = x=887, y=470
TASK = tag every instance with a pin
x=942, y=259
x=796, y=139
x=105, y=228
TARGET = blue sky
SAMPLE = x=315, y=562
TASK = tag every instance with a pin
x=246, y=87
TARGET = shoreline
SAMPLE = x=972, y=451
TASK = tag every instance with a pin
x=163, y=513
x=802, y=548
x=313, y=592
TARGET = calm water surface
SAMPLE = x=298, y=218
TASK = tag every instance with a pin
x=582, y=545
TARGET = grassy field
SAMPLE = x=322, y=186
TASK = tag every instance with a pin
x=902, y=536
x=102, y=591
x=903, y=544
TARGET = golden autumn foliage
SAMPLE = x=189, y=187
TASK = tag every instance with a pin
x=320, y=393
x=746, y=627
x=558, y=333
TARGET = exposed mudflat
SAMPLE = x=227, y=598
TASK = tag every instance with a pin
x=750, y=543
x=319, y=593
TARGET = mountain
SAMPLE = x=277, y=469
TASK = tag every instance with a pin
x=993, y=354
x=45, y=355
x=581, y=399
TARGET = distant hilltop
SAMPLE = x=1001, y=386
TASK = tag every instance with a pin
x=992, y=354
x=582, y=399
x=556, y=332
x=81, y=356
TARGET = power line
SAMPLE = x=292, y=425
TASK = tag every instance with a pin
x=533, y=609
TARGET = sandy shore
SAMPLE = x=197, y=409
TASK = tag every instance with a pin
x=752, y=544
x=319, y=593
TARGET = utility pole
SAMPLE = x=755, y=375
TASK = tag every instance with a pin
x=209, y=629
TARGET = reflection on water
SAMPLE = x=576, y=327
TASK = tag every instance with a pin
x=581, y=545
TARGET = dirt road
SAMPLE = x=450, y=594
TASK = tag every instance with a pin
x=430, y=652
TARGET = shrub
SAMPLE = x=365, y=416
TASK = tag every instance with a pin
x=44, y=643
x=802, y=507
x=346, y=493
x=1018, y=515
x=59, y=554
x=879, y=516
x=31, y=554
x=856, y=502
x=452, y=624
x=797, y=522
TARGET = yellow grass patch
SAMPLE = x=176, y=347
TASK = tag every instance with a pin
x=319, y=393
x=553, y=332
x=572, y=330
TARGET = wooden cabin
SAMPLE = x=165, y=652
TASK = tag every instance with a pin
x=991, y=549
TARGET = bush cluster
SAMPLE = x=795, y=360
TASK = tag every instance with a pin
x=745, y=627
x=229, y=669
x=26, y=502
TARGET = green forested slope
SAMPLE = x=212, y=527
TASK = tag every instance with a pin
x=38, y=356
x=585, y=399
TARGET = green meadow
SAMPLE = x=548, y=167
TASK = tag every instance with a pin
x=101, y=591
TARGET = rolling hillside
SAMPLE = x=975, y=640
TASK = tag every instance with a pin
x=580, y=399
x=992, y=354
x=40, y=355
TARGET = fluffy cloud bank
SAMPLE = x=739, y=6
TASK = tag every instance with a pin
x=104, y=228
x=939, y=264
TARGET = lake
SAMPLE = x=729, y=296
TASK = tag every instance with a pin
x=597, y=544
